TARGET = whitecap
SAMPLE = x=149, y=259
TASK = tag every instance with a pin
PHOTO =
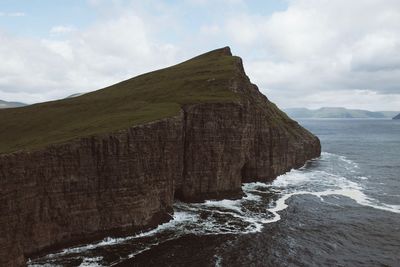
x=91, y=262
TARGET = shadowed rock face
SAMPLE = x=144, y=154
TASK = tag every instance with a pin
x=396, y=117
x=84, y=189
x=126, y=181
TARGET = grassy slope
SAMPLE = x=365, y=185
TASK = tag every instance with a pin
x=145, y=98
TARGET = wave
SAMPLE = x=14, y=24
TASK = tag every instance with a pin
x=293, y=182
x=331, y=183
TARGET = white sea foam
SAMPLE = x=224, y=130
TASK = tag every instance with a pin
x=226, y=204
x=354, y=194
x=91, y=262
x=218, y=261
x=178, y=217
x=337, y=184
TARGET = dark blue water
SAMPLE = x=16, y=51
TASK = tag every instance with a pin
x=342, y=209
x=373, y=144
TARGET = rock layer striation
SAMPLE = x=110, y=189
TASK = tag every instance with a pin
x=126, y=180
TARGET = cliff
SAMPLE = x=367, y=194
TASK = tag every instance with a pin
x=397, y=117
x=113, y=161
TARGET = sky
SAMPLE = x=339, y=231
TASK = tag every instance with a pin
x=301, y=53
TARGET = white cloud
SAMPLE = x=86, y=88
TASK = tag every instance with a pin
x=61, y=29
x=105, y=53
x=17, y=14
x=210, y=29
x=12, y=14
x=213, y=2
x=315, y=53
x=317, y=47
x=377, y=52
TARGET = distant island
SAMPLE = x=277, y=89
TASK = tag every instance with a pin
x=397, y=117
x=338, y=112
x=5, y=104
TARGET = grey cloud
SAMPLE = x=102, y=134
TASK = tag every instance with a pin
x=317, y=47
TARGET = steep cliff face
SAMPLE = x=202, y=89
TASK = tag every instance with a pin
x=126, y=180
x=228, y=144
x=246, y=141
x=110, y=184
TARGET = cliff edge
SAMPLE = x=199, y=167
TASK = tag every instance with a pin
x=113, y=161
x=396, y=117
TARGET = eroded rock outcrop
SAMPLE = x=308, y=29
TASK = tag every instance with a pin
x=127, y=180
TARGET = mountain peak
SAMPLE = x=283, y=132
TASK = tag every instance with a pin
x=220, y=52
x=224, y=51
x=145, y=98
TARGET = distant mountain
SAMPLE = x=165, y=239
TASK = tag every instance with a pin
x=397, y=117
x=75, y=95
x=337, y=112
x=5, y=104
x=389, y=114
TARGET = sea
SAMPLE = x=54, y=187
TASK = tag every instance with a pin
x=341, y=209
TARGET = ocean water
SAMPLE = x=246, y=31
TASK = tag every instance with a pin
x=342, y=209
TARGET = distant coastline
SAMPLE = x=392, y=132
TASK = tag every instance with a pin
x=6, y=104
x=338, y=113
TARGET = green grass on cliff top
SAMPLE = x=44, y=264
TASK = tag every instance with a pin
x=145, y=98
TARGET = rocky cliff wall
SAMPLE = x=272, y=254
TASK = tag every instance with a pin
x=126, y=181
x=87, y=188
x=228, y=144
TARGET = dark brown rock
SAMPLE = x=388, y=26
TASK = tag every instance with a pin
x=126, y=181
x=88, y=188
